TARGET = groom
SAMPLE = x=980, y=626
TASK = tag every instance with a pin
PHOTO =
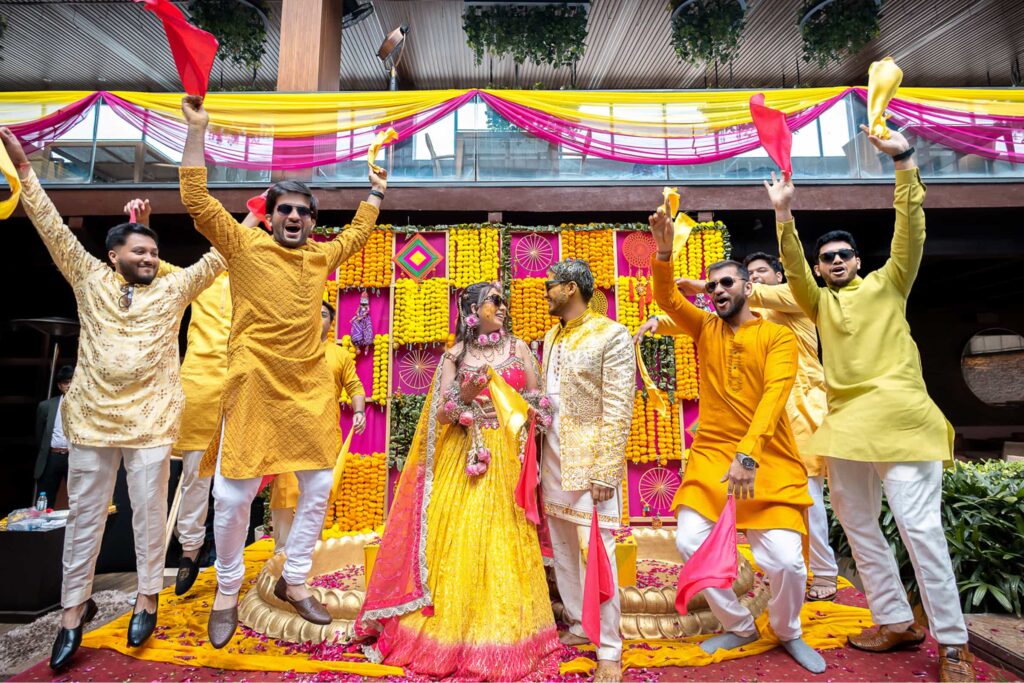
x=588, y=359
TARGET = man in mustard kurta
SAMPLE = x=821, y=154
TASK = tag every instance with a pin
x=744, y=447
x=882, y=431
x=772, y=299
x=125, y=403
x=278, y=409
x=284, y=492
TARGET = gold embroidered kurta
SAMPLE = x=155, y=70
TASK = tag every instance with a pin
x=127, y=390
x=205, y=366
x=597, y=379
x=745, y=379
x=278, y=406
x=807, y=403
x=284, y=492
x=878, y=406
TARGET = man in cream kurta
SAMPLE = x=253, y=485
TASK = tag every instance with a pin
x=883, y=431
x=125, y=402
x=278, y=409
x=589, y=374
x=806, y=407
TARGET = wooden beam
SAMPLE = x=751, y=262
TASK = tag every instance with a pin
x=309, y=58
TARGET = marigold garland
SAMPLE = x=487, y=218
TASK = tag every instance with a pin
x=421, y=311
x=473, y=256
x=372, y=266
x=347, y=345
x=708, y=243
x=629, y=292
x=359, y=504
x=331, y=289
x=530, y=317
x=686, y=367
x=597, y=248
x=653, y=437
x=381, y=369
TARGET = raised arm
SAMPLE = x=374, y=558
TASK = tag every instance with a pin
x=618, y=391
x=779, y=375
x=352, y=240
x=908, y=236
x=200, y=275
x=73, y=261
x=687, y=317
x=775, y=297
x=212, y=220
x=791, y=252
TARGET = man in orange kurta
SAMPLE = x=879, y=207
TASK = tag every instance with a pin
x=744, y=447
x=278, y=409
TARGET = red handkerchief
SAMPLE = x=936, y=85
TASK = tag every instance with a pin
x=775, y=135
x=193, y=49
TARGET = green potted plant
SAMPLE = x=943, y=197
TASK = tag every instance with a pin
x=240, y=28
x=834, y=29
x=552, y=33
x=707, y=31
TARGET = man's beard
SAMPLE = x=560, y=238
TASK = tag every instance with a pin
x=131, y=274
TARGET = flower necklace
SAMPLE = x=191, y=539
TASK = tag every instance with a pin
x=487, y=344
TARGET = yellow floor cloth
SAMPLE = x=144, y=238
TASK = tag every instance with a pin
x=182, y=622
x=826, y=625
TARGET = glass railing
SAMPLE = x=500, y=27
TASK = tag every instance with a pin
x=475, y=145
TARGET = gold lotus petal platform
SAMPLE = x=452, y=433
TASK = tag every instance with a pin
x=647, y=613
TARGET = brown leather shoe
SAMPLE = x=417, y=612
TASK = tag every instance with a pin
x=956, y=663
x=307, y=608
x=884, y=640
x=222, y=625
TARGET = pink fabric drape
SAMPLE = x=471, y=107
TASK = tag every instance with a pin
x=36, y=133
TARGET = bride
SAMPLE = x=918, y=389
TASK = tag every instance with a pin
x=458, y=588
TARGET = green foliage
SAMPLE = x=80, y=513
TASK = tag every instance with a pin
x=983, y=516
x=405, y=414
x=707, y=31
x=552, y=34
x=659, y=356
x=239, y=29
x=839, y=29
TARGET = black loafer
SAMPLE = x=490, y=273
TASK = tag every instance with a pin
x=68, y=639
x=188, y=570
x=141, y=626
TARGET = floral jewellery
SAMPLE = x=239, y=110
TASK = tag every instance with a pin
x=472, y=321
x=489, y=340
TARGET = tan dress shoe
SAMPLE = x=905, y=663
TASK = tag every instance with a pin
x=307, y=608
x=956, y=663
x=884, y=640
x=222, y=625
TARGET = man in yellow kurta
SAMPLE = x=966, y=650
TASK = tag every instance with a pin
x=278, y=409
x=882, y=431
x=744, y=447
x=772, y=300
x=284, y=491
x=125, y=402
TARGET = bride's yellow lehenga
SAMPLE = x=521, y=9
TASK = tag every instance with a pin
x=486, y=614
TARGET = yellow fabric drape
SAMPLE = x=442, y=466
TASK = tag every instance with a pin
x=981, y=101
x=339, y=466
x=826, y=626
x=18, y=107
x=8, y=205
x=182, y=616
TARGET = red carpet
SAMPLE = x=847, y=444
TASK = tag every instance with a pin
x=846, y=664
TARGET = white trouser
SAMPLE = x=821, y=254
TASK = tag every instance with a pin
x=914, y=492
x=822, y=559
x=232, y=500
x=195, y=500
x=281, y=519
x=570, y=575
x=92, y=474
x=780, y=555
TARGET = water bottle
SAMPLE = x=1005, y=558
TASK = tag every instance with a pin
x=41, y=502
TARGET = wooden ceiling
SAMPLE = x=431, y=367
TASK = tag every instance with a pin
x=113, y=44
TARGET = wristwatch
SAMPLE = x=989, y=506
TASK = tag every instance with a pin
x=746, y=461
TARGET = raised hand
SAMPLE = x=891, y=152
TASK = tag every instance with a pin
x=663, y=231
x=893, y=146
x=195, y=114
x=13, y=146
x=379, y=181
x=142, y=210
x=780, y=192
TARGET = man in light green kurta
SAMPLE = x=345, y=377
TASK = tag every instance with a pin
x=882, y=431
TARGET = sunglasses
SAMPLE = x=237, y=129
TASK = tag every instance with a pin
x=125, y=300
x=496, y=299
x=548, y=284
x=286, y=210
x=830, y=256
x=727, y=282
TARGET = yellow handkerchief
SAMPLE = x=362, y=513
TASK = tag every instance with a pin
x=655, y=395
x=884, y=79
x=339, y=467
x=683, y=224
x=383, y=138
x=512, y=409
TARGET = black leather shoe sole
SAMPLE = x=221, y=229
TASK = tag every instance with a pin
x=141, y=626
x=69, y=639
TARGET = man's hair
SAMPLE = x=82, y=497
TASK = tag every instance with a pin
x=834, y=236
x=65, y=373
x=729, y=263
x=277, y=190
x=330, y=308
x=118, y=235
x=772, y=261
x=578, y=271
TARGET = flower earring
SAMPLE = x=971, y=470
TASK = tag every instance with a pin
x=472, y=321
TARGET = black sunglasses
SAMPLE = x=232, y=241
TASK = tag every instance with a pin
x=548, y=284
x=830, y=256
x=727, y=282
x=286, y=210
x=125, y=300
x=497, y=299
